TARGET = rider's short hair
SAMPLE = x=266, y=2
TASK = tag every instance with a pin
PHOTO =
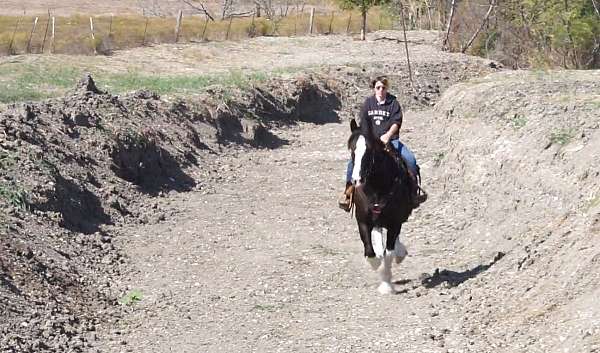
x=381, y=79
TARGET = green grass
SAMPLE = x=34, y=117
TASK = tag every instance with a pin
x=27, y=82
x=562, y=137
x=594, y=202
x=14, y=195
x=438, y=157
x=131, y=298
x=266, y=307
x=116, y=83
x=518, y=121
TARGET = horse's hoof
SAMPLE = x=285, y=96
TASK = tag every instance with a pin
x=375, y=262
x=385, y=288
x=398, y=259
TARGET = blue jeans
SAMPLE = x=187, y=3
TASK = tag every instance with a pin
x=404, y=152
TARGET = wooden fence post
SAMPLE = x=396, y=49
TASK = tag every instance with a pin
x=311, y=20
x=178, y=25
x=12, y=39
x=449, y=26
x=52, y=48
x=203, y=38
x=145, y=31
x=348, y=25
x=110, y=26
x=228, y=27
x=92, y=28
x=46, y=32
x=31, y=35
x=295, y=21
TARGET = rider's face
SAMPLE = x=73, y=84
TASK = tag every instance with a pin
x=380, y=90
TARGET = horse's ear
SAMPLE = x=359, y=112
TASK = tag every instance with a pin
x=353, y=125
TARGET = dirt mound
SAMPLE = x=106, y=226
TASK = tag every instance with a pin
x=518, y=161
x=71, y=167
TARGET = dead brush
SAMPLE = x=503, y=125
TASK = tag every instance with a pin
x=73, y=34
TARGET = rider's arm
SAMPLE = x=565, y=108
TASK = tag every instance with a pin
x=395, y=121
x=364, y=118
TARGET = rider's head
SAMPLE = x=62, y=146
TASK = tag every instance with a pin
x=380, y=85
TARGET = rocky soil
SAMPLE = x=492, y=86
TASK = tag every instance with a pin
x=141, y=224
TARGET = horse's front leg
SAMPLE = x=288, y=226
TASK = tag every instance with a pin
x=365, y=235
x=394, y=246
x=385, y=272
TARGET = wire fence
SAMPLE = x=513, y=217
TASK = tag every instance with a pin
x=89, y=35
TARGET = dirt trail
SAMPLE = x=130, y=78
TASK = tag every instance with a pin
x=268, y=263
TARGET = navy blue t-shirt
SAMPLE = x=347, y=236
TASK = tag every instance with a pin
x=380, y=116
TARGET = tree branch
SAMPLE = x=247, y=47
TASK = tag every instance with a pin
x=199, y=7
x=485, y=20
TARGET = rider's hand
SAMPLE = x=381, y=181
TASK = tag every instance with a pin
x=385, y=138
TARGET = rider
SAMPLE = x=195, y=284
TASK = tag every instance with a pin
x=383, y=111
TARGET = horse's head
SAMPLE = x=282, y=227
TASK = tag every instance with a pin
x=382, y=175
x=354, y=134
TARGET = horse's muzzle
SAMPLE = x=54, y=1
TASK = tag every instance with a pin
x=376, y=210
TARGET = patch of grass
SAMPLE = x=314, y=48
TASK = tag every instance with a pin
x=266, y=307
x=14, y=195
x=131, y=298
x=594, y=202
x=24, y=82
x=562, y=137
x=518, y=121
x=7, y=160
x=438, y=157
x=177, y=84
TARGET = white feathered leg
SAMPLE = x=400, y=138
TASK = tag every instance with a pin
x=400, y=251
x=378, y=240
x=385, y=273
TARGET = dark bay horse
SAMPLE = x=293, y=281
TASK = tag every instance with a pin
x=382, y=203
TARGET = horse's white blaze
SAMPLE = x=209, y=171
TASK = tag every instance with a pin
x=378, y=240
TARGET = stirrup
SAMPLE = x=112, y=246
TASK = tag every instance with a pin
x=345, y=205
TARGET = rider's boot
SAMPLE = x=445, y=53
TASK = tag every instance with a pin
x=417, y=194
x=345, y=200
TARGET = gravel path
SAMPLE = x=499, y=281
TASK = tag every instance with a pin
x=268, y=263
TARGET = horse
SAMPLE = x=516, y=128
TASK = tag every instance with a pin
x=382, y=204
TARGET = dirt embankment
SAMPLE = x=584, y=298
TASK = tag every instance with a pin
x=75, y=169
x=519, y=162
x=511, y=163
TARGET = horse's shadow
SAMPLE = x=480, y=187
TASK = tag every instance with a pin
x=452, y=278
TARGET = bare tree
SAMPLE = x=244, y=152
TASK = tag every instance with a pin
x=199, y=7
x=483, y=23
x=449, y=25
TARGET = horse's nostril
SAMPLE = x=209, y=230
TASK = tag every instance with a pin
x=376, y=208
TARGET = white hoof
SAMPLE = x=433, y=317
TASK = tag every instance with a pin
x=375, y=262
x=385, y=288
